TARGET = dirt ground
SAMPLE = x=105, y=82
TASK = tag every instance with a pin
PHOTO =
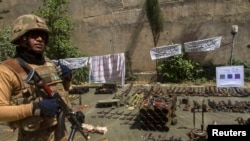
x=124, y=128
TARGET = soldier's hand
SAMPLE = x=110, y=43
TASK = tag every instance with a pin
x=45, y=108
x=64, y=72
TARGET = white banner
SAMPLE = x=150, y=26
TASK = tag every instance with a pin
x=203, y=45
x=230, y=76
x=107, y=68
x=74, y=63
x=165, y=51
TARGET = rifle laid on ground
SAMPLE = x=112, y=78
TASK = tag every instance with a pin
x=75, y=118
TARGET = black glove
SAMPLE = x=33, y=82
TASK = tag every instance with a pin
x=48, y=108
x=65, y=72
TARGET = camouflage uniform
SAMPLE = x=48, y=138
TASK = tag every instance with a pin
x=17, y=95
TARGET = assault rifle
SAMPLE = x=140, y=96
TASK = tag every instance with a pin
x=75, y=118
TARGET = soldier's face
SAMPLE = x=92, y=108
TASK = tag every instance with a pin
x=37, y=41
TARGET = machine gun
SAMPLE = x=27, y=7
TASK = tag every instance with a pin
x=75, y=118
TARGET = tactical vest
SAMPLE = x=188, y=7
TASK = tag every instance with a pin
x=30, y=93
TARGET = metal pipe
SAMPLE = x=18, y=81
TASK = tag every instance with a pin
x=231, y=58
x=233, y=32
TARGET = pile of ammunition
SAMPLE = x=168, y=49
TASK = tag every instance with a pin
x=241, y=121
x=151, y=137
x=209, y=91
x=229, y=106
x=157, y=111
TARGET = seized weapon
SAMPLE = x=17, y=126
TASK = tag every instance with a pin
x=193, y=116
x=128, y=90
x=157, y=111
x=117, y=100
x=123, y=97
x=108, y=102
x=241, y=121
x=202, y=116
x=133, y=101
x=75, y=118
x=198, y=134
x=106, y=89
x=186, y=103
x=196, y=105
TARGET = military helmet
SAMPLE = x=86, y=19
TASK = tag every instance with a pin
x=26, y=23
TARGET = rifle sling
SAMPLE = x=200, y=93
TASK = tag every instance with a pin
x=25, y=66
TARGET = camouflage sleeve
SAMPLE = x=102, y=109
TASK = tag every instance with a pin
x=10, y=85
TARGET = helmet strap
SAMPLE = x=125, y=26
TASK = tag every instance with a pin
x=25, y=37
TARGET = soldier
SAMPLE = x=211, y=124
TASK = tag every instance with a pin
x=21, y=105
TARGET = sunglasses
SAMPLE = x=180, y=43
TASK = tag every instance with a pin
x=36, y=33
